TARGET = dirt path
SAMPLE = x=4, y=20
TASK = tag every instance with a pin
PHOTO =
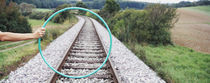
x=192, y=30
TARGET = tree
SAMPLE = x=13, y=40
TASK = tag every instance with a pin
x=110, y=8
x=151, y=25
x=161, y=19
x=203, y=2
x=26, y=9
x=61, y=17
x=81, y=4
x=11, y=19
x=128, y=26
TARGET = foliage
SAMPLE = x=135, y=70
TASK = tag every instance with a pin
x=160, y=20
x=109, y=9
x=38, y=15
x=42, y=3
x=128, y=25
x=13, y=58
x=11, y=19
x=111, y=6
x=61, y=17
x=81, y=4
x=175, y=64
x=151, y=25
x=26, y=9
x=98, y=4
x=132, y=4
x=95, y=4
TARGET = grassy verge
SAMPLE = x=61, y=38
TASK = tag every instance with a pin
x=201, y=9
x=10, y=60
x=3, y=43
x=3, y=47
x=175, y=64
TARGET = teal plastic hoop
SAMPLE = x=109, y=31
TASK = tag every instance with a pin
x=76, y=8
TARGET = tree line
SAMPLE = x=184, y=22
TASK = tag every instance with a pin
x=41, y=3
x=98, y=4
x=151, y=25
x=188, y=4
x=93, y=4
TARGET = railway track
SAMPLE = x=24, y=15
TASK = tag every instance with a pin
x=84, y=56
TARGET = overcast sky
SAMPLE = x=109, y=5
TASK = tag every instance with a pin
x=164, y=1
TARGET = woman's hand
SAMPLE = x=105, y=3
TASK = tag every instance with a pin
x=39, y=33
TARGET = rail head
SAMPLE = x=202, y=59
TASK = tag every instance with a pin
x=52, y=78
x=117, y=80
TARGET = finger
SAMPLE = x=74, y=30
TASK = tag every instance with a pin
x=43, y=29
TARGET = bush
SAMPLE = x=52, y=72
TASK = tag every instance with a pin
x=128, y=26
x=151, y=25
x=26, y=9
x=81, y=4
x=61, y=17
x=110, y=8
x=52, y=34
x=161, y=19
x=11, y=19
x=47, y=15
x=38, y=15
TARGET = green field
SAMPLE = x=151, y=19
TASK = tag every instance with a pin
x=201, y=9
x=42, y=10
x=35, y=22
x=175, y=64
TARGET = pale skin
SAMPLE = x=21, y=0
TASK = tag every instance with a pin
x=8, y=36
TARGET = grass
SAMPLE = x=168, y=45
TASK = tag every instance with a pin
x=202, y=9
x=42, y=10
x=12, y=45
x=175, y=64
x=3, y=43
x=38, y=23
x=10, y=60
x=35, y=23
x=12, y=57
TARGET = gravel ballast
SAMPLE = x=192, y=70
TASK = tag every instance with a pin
x=36, y=70
x=130, y=68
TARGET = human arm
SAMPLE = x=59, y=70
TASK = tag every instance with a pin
x=8, y=36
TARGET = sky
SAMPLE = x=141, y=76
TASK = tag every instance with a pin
x=164, y=1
